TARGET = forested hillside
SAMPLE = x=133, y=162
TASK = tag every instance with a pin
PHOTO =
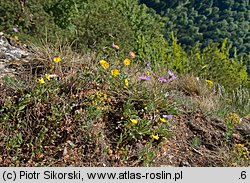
x=205, y=21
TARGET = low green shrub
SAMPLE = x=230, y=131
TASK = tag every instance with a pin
x=215, y=64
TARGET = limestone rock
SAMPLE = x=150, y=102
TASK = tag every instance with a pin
x=12, y=55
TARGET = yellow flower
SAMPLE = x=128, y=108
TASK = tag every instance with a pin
x=210, y=83
x=104, y=64
x=47, y=76
x=115, y=46
x=41, y=81
x=126, y=62
x=126, y=82
x=134, y=121
x=163, y=120
x=57, y=59
x=156, y=137
x=132, y=54
x=234, y=117
x=240, y=146
x=115, y=72
x=105, y=96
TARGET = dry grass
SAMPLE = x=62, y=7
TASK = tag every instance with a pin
x=199, y=92
x=71, y=130
x=193, y=86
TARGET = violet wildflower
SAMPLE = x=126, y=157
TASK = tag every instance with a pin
x=148, y=64
x=171, y=74
x=163, y=79
x=144, y=78
x=15, y=29
x=174, y=77
x=167, y=116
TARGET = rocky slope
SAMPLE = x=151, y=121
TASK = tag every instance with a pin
x=13, y=55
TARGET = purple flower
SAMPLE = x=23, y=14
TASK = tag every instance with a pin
x=148, y=64
x=167, y=116
x=163, y=79
x=144, y=78
x=171, y=74
x=174, y=77
x=15, y=29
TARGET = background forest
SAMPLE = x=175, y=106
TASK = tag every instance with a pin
x=203, y=22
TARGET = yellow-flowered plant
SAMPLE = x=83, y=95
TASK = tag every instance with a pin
x=163, y=120
x=209, y=83
x=99, y=100
x=104, y=64
x=126, y=62
x=132, y=54
x=115, y=72
x=41, y=81
x=241, y=152
x=234, y=118
x=48, y=77
x=126, y=82
x=231, y=121
x=57, y=59
x=115, y=46
x=134, y=121
x=156, y=137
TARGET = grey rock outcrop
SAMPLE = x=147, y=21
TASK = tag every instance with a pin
x=12, y=55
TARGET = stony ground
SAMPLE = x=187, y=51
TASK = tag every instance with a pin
x=12, y=55
x=210, y=150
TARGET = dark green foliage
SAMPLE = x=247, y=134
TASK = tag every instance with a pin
x=90, y=24
x=32, y=22
x=206, y=21
x=131, y=26
x=63, y=12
